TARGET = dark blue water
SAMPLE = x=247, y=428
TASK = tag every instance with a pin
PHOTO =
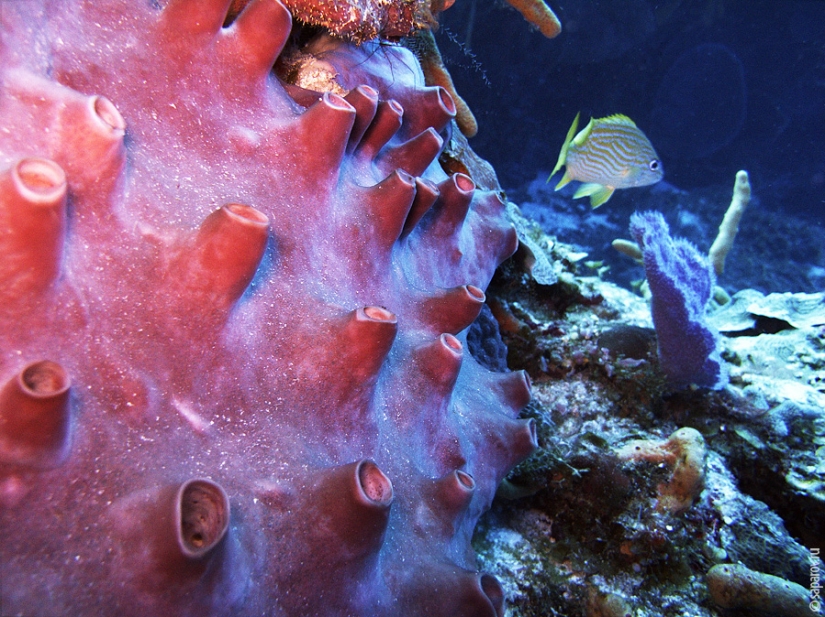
x=718, y=85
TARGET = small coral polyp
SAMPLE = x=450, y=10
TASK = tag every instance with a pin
x=233, y=369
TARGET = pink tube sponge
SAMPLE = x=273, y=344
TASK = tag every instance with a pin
x=233, y=366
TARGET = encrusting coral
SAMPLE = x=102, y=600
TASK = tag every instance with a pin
x=364, y=20
x=358, y=21
x=684, y=453
x=231, y=328
x=734, y=586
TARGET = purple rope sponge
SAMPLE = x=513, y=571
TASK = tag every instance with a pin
x=681, y=282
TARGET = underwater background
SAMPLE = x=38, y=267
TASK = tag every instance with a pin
x=570, y=430
x=648, y=498
x=717, y=86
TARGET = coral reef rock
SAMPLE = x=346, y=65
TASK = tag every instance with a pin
x=233, y=375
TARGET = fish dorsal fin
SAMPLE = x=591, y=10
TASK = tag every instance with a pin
x=618, y=119
x=564, y=147
x=580, y=139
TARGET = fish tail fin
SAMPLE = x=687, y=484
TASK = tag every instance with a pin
x=563, y=154
x=598, y=193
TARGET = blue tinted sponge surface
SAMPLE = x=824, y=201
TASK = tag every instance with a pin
x=681, y=282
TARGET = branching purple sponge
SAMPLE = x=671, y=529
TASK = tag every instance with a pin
x=681, y=282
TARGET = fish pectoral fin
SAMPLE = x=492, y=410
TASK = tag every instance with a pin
x=598, y=193
x=587, y=189
x=600, y=197
x=565, y=179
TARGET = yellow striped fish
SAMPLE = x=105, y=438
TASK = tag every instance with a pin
x=608, y=154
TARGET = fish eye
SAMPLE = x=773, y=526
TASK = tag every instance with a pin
x=654, y=165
